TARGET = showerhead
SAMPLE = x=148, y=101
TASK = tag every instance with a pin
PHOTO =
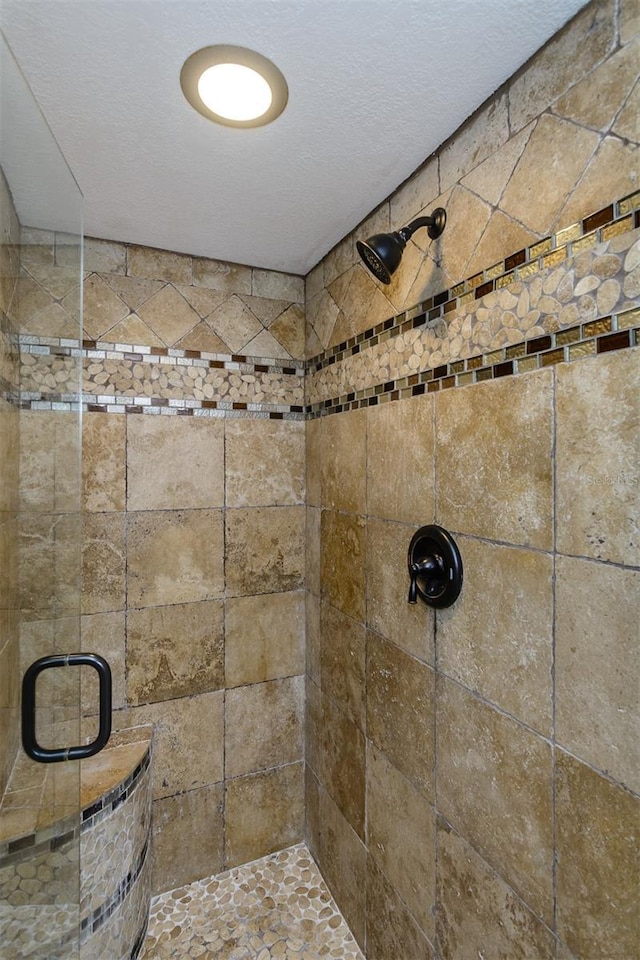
x=382, y=253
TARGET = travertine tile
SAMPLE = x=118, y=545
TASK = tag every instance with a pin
x=174, y=557
x=598, y=863
x=174, y=651
x=479, y=915
x=312, y=551
x=598, y=486
x=104, y=559
x=597, y=666
x=155, y=264
x=187, y=837
x=613, y=80
x=234, y=323
x=49, y=566
x=225, y=277
x=494, y=786
x=480, y=137
x=611, y=173
x=342, y=657
x=101, y=307
x=188, y=741
x=343, y=462
x=49, y=461
x=489, y=178
x=400, y=711
x=104, y=462
x=264, y=637
x=104, y=634
x=313, y=639
x=314, y=433
x=264, y=550
x=264, y=463
x=391, y=930
x=410, y=626
x=103, y=256
x=263, y=726
x=288, y=329
x=263, y=812
x=277, y=286
x=168, y=314
x=506, y=451
x=497, y=638
x=342, y=545
x=401, y=837
x=456, y=246
x=131, y=289
x=174, y=463
x=629, y=20
x=400, y=461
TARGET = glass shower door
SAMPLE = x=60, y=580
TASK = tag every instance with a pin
x=40, y=527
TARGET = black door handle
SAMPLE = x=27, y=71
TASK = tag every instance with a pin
x=31, y=746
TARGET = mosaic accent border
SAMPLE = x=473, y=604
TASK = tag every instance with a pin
x=93, y=922
x=617, y=332
x=611, y=221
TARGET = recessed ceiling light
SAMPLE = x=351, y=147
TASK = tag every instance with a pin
x=234, y=86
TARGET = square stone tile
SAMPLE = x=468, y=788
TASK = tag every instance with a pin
x=104, y=634
x=312, y=550
x=342, y=562
x=49, y=461
x=264, y=550
x=495, y=788
x=313, y=638
x=497, y=637
x=187, y=837
x=50, y=569
x=494, y=476
x=264, y=726
x=343, y=461
x=598, y=862
x=264, y=637
x=598, y=665
x=175, y=463
x=598, y=483
x=400, y=710
x=342, y=661
x=104, y=462
x=410, y=626
x=401, y=461
x=104, y=558
x=263, y=812
x=225, y=277
x=174, y=651
x=153, y=264
x=264, y=463
x=313, y=458
x=479, y=915
x=174, y=557
x=401, y=837
x=391, y=930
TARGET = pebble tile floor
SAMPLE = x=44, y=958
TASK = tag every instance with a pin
x=276, y=908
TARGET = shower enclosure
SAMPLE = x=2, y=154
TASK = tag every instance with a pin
x=40, y=502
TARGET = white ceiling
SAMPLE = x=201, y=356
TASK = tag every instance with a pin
x=375, y=86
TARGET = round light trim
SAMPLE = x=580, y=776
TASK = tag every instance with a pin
x=234, y=86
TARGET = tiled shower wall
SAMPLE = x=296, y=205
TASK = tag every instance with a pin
x=472, y=775
x=193, y=527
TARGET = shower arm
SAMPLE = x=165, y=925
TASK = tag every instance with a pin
x=434, y=224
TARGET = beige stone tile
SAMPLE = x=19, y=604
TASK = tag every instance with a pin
x=133, y=330
x=344, y=255
x=234, y=323
x=343, y=461
x=168, y=314
x=414, y=195
x=598, y=665
x=312, y=638
x=340, y=854
x=401, y=710
x=188, y=836
x=479, y=915
x=174, y=557
x=477, y=139
x=49, y=461
x=500, y=435
x=401, y=837
x=104, y=634
x=502, y=237
x=336, y=753
x=101, y=307
x=288, y=329
x=266, y=310
x=598, y=863
x=224, y=277
x=103, y=256
x=9, y=709
x=174, y=651
x=153, y=264
x=489, y=178
x=263, y=812
x=629, y=20
x=497, y=638
x=391, y=930
x=534, y=197
x=264, y=637
x=401, y=461
x=104, y=462
x=49, y=566
x=314, y=281
x=568, y=57
x=264, y=550
x=410, y=626
x=188, y=749
x=132, y=290
x=277, y=286
x=204, y=339
x=264, y=463
x=263, y=726
x=58, y=691
x=613, y=80
x=104, y=559
x=342, y=662
x=494, y=787
x=313, y=457
x=202, y=300
x=598, y=483
x=342, y=562
x=312, y=552
x=627, y=123
x=611, y=173
x=174, y=463
x=469, y=216
x=266, y=346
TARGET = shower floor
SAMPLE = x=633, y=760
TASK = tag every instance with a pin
x=276, y=908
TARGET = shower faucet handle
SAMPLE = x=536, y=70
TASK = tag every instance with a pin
x=431, y=566
x=435, y=567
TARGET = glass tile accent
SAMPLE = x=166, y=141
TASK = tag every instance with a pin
x=596, y=327
x=466, y=298
x=485, y=374
x=457, y=367
x=474, y=281
x=517, y=350
x=628, y=319
x=569, y=234
x=527, y=364
x=463, y=379
x=615, y=229
x=505, y=280
x=598, y=219
x=614, y=341
x=632, y=202
x=564, y=337
x=585, y=243
x=458, y=290
x=495, y=271
x=554, y=356
x=585, y=349
x=554, y=258
x=528, y=270
x=473, y=363
x=538, y=249
x=495, y=357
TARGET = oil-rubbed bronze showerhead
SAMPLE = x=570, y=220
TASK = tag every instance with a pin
x=382, y=253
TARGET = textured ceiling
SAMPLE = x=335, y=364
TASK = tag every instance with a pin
x=375, y=86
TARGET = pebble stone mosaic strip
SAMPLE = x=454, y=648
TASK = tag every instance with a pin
x=276, y=908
